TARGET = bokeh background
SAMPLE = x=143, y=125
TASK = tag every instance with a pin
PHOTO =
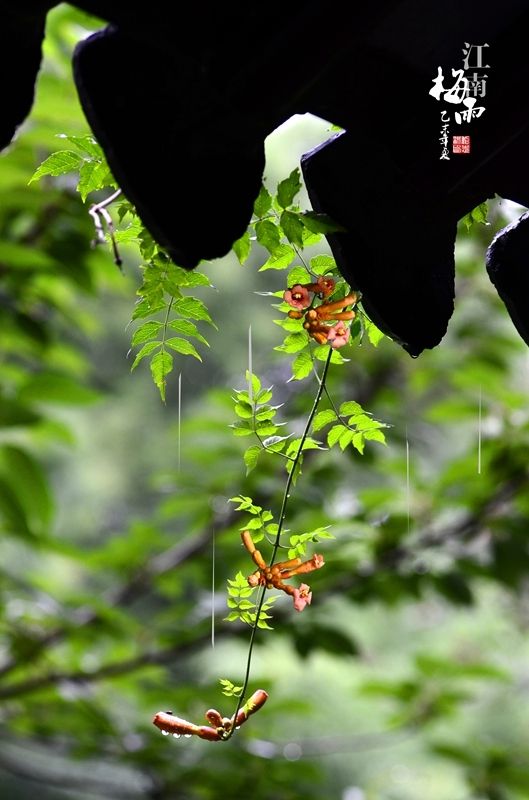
x=407, y=679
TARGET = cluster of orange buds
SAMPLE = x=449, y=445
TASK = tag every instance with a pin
x=219, y=727
x=318, y=317
x=273, y=576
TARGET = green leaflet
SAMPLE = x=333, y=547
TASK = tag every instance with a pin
x=308, y=444
x=93, y=175
x=244, y=410
x=251, y=457
x=229, y=689
x=146, y=331
x=185, y=277
x=145, y=351
x=263, y=203
x=310, y=238
x=130, y=233
x=148, y=306
x=182, y=346
x=323, y=418
x=245, y=504
x=292, y=227
x=58, y=163
x=86, y=144
x=358, y=428
x=321, y=353
x=281, y=258
x=301, y=366
x=188, y=328
x=373, y=333
x=322, y=264
x=161, y=366
x=242, y=247
x=288, y=189
x=192, y=307
x=293, y=343
x=268, y=235
x=334, y=434
x=351, y=407
x=242, y=607
x=298, y=275
x=477, y=215
x=298, y=542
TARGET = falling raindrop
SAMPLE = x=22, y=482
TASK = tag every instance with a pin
x=407, y=479
x=479, y=432
x=250, y=366
x=213, y=589
x=165, y=733
x=179, y=416
x=237, y=727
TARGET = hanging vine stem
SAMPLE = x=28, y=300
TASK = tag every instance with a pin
x=282, y=516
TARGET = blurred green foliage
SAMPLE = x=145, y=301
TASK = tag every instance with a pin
x=407, y=677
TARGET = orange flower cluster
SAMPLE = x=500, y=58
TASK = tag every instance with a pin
x=222, y=726
x=299, y=296
x=318, y=317
x=273, y=577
